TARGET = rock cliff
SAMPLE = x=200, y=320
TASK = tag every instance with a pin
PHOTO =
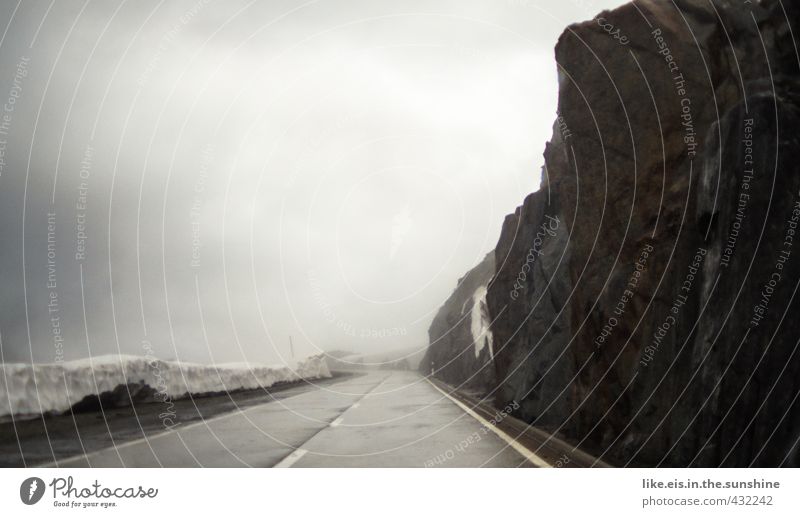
x=643, y=299
x=461, y=344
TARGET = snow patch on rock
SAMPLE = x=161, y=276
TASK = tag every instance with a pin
x=39, y=388
x=479, y=323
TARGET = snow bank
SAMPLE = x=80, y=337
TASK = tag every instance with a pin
x=61, y=385
x=480, y=323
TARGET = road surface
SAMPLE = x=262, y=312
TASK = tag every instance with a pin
x=379, y=419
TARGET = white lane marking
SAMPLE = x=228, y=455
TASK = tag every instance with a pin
x=291, y=459
x=337, y=422
x=524, y=451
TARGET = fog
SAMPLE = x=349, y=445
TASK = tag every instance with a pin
x=206, y=178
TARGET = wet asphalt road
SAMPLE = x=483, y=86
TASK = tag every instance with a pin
x=378, y=419
x=43, y=439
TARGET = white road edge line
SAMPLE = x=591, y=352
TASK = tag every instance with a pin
x=524, y=451
x=336, y=422
x=291, y=459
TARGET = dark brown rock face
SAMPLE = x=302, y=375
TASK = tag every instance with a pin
x=461, y=344
x=528, y=298
x=643, y=301
x=744, y=348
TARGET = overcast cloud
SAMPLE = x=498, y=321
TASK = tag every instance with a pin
x=244, y=171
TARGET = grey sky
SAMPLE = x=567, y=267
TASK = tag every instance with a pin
x=334, y=167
